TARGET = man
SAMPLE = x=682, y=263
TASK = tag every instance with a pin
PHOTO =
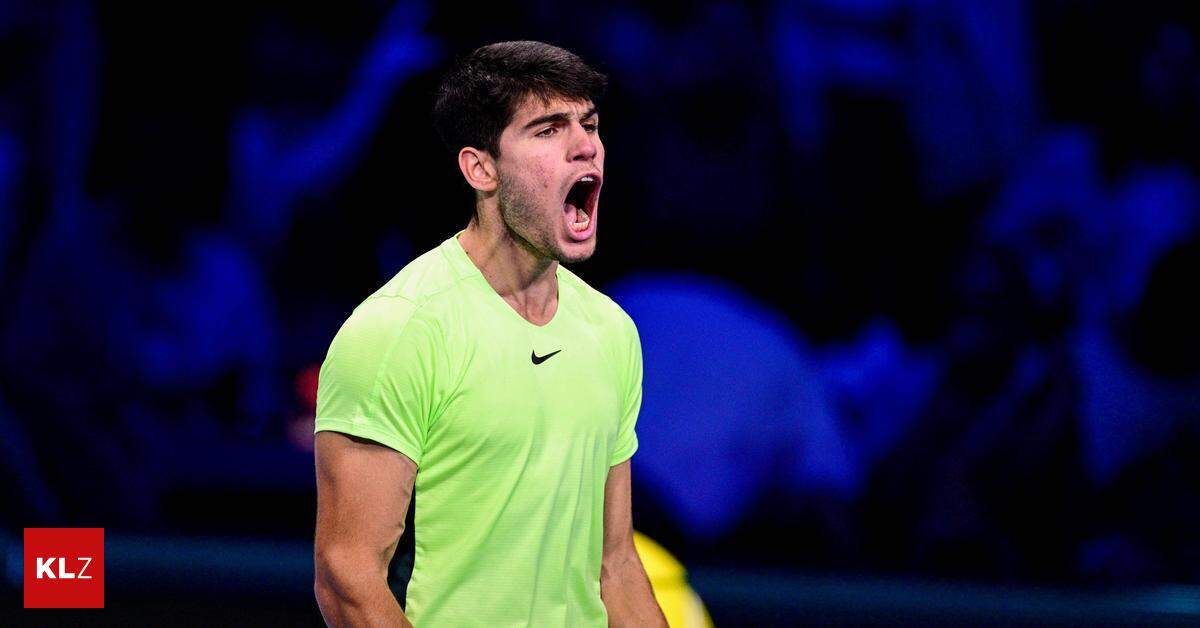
x=491, y=386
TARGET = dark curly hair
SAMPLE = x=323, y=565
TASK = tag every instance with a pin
x=480, y=95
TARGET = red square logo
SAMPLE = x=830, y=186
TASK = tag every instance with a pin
x=64, y=567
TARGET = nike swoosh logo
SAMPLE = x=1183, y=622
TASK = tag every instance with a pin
x=539, y=360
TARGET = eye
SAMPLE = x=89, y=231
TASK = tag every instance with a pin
x=591, y=127
x=547, y=132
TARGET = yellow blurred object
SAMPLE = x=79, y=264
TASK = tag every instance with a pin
x=668, y=578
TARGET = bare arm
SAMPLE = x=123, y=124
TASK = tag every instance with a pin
x=624, y=586
x=363, y=491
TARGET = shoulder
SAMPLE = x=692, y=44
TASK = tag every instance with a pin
x=374, y=327
x=408, y=302
x=600, y=309
x=424, y=278
x=389, y=311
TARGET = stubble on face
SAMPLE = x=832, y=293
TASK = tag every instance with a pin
x=529, y=226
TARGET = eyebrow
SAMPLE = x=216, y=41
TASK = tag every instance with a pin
x=561, y=116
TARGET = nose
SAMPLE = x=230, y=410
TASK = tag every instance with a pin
x=583, y=144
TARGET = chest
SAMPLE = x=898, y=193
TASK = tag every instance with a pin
x=525, y=389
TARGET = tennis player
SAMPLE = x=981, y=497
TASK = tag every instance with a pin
x=490, y=386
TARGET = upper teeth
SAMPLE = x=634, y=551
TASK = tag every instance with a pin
x=587, y=179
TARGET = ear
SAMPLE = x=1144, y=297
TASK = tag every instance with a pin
x=478, y=168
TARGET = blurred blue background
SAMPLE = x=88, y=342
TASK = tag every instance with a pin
x=915, y=281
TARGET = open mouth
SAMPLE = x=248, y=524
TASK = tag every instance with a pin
x=580, y=203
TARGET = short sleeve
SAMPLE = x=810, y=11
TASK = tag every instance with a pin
x=631, y=366
x=377, y=381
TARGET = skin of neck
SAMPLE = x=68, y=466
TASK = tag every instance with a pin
x=522, y=275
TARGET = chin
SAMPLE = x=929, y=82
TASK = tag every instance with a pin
x=576, y=252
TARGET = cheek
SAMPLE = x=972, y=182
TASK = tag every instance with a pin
x=538, y=174
x=543, y=176
x=534, y=178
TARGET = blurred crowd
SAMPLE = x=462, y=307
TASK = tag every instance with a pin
x=913, y=277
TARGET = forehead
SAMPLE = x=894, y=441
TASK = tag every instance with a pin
x=532, y=107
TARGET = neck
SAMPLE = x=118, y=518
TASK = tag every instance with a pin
x=525, y=279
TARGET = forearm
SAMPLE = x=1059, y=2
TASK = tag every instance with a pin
x=627, y=595
x=346, y=600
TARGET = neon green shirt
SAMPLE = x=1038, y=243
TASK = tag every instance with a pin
x=513, y=428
